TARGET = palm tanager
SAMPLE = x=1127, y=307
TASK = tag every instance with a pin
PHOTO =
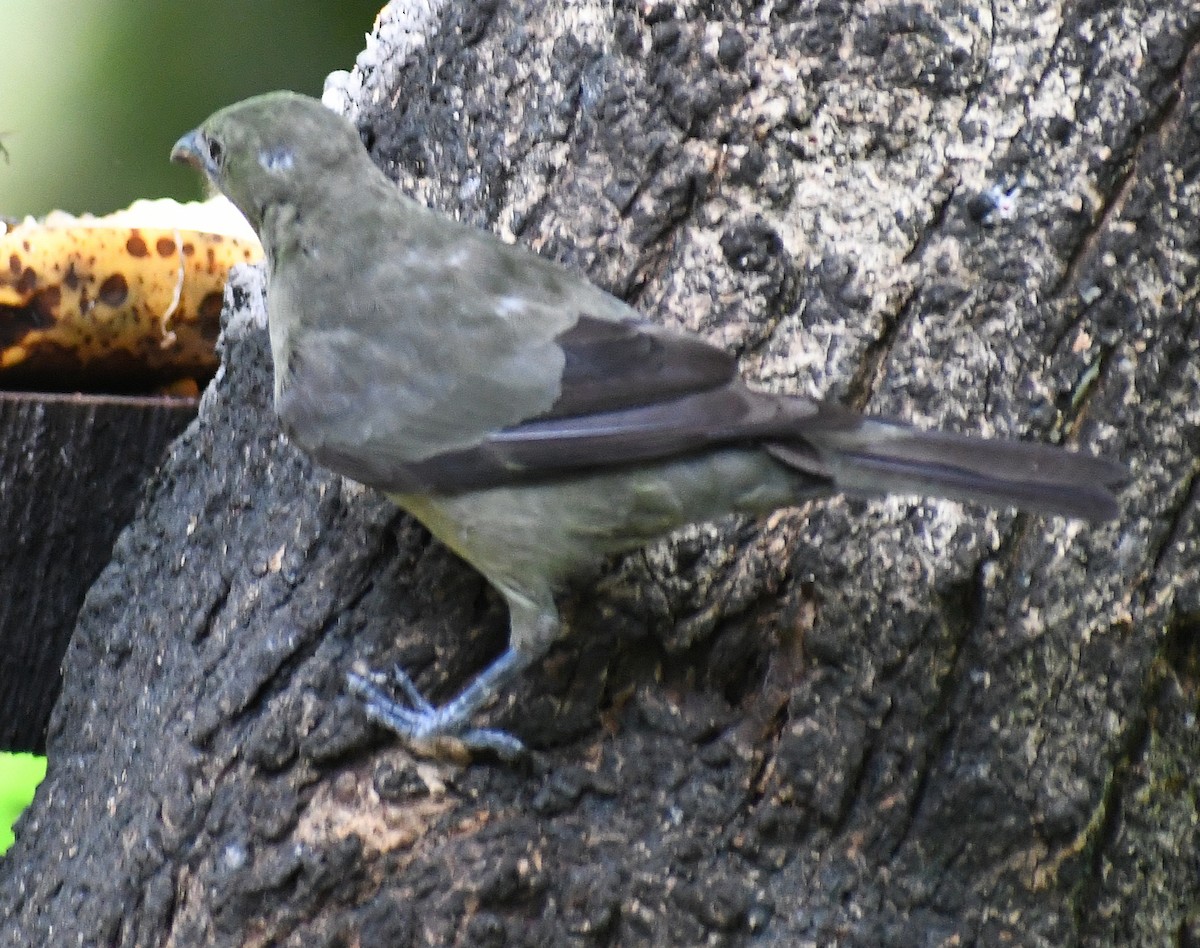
x=533, y=422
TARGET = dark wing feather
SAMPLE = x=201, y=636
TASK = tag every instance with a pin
x=618, y=364
x=546, y=448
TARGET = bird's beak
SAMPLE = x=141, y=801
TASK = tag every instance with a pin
x=190, y=150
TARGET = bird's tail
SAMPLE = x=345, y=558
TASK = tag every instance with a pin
x=871, y=456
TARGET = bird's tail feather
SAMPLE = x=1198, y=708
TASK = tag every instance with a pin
x=870, y=456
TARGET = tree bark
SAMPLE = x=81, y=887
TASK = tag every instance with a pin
x=896, y=722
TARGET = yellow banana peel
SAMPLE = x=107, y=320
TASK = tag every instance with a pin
x=124, y=303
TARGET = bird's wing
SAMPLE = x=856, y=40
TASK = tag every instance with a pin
x=550, y=447
x=498, y=365
x=627, y=364
x=629, y=392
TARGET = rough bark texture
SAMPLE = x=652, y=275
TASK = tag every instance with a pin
x=71, y=473
x=890, y=723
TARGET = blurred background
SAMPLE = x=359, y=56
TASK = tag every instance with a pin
x=95, y=94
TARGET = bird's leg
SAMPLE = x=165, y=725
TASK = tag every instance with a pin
x=533, y=630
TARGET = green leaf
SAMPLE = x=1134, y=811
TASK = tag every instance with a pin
x=20, y=775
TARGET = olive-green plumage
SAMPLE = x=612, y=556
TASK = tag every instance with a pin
x=532, y=421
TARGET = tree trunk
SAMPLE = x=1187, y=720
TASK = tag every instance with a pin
x=896, y=722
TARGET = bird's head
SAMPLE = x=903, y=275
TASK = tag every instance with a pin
x=271, y=149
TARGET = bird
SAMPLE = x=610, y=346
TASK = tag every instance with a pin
x=533, y=422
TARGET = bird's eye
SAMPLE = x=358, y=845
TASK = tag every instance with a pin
x=215, y=152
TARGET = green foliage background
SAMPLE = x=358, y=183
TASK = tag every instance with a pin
x=95, y=93
x=19, y=776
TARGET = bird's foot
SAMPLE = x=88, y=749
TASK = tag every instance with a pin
x=425, y=725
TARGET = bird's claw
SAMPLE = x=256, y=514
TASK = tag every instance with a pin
x=423, y=724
